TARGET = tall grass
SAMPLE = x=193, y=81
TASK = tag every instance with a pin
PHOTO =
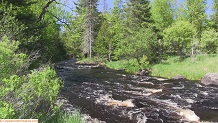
x=193, y=68
x=61, y=117
x=130, y=66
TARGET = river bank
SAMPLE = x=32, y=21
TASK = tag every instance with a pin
x=192, y=68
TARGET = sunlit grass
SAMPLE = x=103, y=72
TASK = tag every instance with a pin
x=193, y=68
x=127, y=65
x=61, y=117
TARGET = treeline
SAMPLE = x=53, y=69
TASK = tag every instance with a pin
x=142, y=30
x=29, y=41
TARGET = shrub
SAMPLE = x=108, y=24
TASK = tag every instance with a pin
x=24, y=95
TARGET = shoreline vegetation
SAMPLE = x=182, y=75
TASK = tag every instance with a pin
x=192, y=68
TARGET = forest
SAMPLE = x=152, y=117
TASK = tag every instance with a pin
x=133, y=34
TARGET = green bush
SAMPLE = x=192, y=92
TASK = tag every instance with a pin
x=25, y=95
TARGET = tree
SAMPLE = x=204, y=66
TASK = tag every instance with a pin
x=91, y=17
x=162, y=13
x=140, y=43
x=178, y=37
x=111, y=32
x=138, y=14
x=209, y=41
x=214, y=16
x=103, y=43
x=39, y=31
x=195, y=14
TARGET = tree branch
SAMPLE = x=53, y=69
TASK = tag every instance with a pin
x=60, y=20
x=44, y=10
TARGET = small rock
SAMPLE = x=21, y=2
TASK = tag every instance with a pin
x=142, y=72
x=179, y=77
x=210, y=79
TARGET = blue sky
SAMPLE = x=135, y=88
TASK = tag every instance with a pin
x=110, y=4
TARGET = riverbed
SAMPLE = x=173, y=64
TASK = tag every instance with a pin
x=118, y=97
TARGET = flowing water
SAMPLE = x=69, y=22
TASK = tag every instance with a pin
x=117, y=97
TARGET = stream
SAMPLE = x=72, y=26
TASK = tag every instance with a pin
x=115, y=96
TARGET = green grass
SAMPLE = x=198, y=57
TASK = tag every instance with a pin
x=61, y=117
x=192, y=68
x=130, y=66
x=94, y=60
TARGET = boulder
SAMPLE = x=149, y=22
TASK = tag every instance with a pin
x=179, y=77
x=142, y=72
x=210, y=79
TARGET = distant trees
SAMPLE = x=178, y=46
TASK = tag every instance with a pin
x=90, y=22
x=162, y=13
x=138, y=37
x=209, y=41
x=178, y=37
x=214, y=16
x=140, y=43
x=159, y=28
x=196, y=15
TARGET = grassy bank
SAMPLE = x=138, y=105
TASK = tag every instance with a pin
x=130, y=66
x=192, y=68
x=93, y=60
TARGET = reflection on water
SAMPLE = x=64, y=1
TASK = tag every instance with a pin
x=117, y=97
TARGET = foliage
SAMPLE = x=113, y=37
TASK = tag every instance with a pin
x=103, y=44
x=10, y=62
x=195, y=14
x=162, y=13
x=25, y=95
x=138, y=14
x=178, y=37
x=20, y=22
x=209, y=41
x=214, y=16
x=136, y=45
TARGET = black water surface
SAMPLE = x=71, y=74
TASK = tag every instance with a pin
x=85, y=85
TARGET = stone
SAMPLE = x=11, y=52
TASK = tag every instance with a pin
x=210, y=79
x=179, y=77
x=142, y=72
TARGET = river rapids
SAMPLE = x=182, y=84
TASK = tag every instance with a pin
x=118, y=97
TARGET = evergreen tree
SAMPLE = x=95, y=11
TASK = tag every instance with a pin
x=138, y=14
x=111, y=32
x=90, y=22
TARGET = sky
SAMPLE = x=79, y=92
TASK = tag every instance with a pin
x=110, y=5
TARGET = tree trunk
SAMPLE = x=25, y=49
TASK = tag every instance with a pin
x=160, y=50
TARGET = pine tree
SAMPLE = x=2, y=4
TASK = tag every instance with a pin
x=90, y=22
x=138, y=14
